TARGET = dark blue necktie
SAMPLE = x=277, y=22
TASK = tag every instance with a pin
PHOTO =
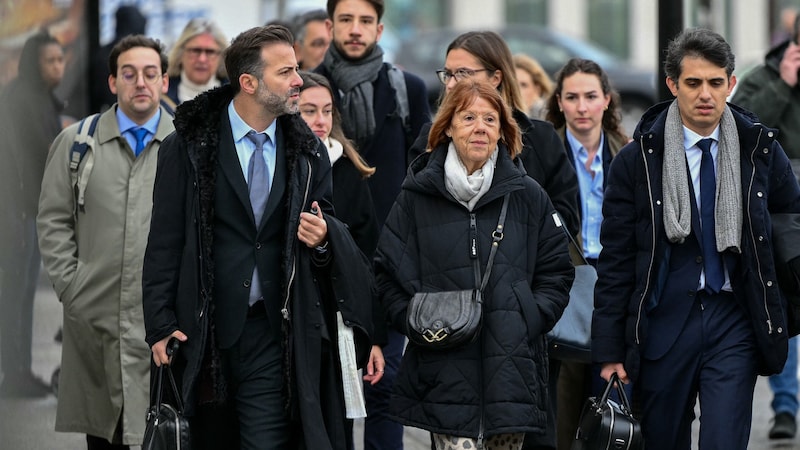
x=258, y=176
x=712, y=261
x=139, y=134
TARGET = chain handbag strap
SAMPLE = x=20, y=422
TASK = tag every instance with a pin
x=497, y=236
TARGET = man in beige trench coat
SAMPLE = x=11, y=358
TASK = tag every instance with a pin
x=92, y=241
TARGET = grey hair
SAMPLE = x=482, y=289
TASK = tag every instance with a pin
x=196, y=27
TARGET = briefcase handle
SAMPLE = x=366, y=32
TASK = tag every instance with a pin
x=612, y=382
x=172, y=348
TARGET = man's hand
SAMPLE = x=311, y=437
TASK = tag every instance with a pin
x=609, y=368
x=790, y=64
x=376, y=365
x=160, y=348
x=313, y=230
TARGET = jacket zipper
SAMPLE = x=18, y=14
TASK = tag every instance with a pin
x=653, y=244
x=752, y=237
x=285, y=309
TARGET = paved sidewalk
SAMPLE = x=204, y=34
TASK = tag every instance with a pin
x=28, y=424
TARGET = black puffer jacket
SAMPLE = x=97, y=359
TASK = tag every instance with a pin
x=497, y=384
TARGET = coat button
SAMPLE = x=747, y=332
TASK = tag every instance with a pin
x=766, y=150
x=761, y=239
x=341, y=300
x=246, y=283
x=780, y=330
x=759, y=194
x=770, y=133
x=698, y=259
x=769, y=283
x=258, y=245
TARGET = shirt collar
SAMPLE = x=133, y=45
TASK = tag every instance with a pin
x=240, y=129
x=690, y=138
x=577, y=147
x=126, y=124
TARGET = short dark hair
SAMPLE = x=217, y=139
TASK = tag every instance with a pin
x=377, y=4
x=244, y=53
x=300, y=21
x=133, y=41
x=698, y=42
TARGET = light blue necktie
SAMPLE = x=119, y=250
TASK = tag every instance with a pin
x=712, y=260
x=258, y=176
x=139, y=134
x=258, y=184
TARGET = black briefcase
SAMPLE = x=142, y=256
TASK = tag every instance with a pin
x=608, y=425
x=167, y=428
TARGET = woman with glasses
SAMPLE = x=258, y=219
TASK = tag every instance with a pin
x=195, y=61
x=484, y=55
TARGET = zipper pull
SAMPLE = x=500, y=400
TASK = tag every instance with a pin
x=285, y=313
x=473, y=236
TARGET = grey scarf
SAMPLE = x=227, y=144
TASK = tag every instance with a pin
x=675, y=182
x=354, y=80
x=467, y=189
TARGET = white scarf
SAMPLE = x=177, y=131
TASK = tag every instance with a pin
x=188, y=90
x=335, y=149
x=467, y=189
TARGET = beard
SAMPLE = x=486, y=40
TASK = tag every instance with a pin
x=367, y=51
x=276, y=104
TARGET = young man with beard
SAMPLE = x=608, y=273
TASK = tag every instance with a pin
x=244, y=262
x=370, y=99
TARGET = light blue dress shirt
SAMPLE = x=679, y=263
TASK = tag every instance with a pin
x=126, y=125
x=245, y=148
x=591, y=190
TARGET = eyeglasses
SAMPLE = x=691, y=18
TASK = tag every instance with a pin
x=195, y=52
x=130, y=76
x=460, y=74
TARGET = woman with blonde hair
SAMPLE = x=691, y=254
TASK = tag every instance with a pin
x=195, y=62
x=535, y=86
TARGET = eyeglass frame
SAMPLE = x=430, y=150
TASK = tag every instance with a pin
x=125, y=77
x=196, y=52
x=444, y=75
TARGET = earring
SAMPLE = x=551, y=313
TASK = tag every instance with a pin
x=606, y=108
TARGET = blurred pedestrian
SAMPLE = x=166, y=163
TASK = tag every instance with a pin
x=30, y=118
x=535, y=85
x=129, y=20
x=195, y=60
x=311, y=38
x=686, y=303
x=771, y=91
x=584, y=108
x=457, y=190
x=383, y=110
x=243, y=231
x=93, y=223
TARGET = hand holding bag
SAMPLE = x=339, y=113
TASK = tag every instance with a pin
x=166, y=427
x=571, y=338
x=606, y=424
x=444, y=320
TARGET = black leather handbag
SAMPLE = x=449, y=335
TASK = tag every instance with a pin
x=449, y=319
x=608, y=425
x=167, y=428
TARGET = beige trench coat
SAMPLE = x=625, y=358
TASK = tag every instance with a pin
x=95, y=264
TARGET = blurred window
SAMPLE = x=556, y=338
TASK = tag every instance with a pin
x=526, y=12
x=609, y=25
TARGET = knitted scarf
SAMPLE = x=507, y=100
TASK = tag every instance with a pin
x=354, y=80
x=675, y=182
x=467, y=189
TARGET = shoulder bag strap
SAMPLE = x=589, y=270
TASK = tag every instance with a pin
x=497, y=236
x=560, y=224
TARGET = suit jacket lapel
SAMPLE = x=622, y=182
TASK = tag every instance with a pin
x=279, y=177
x=229, y=163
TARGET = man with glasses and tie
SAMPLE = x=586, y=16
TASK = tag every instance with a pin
x=92, y=241
x=247, y=267
x=687, y=303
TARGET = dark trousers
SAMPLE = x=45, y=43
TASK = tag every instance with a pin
x=380, y=432
x=20, y=275
x=98, y=443
x=254, y=370
x=714, y=357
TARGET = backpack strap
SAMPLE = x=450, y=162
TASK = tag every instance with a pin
x=398, y=82
x=84, y=140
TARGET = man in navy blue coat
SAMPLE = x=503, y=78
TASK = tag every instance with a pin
x=687, y=303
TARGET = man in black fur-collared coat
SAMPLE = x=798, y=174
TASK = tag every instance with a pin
x=252, y=288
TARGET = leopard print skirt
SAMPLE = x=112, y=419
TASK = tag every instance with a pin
x=497, y=442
